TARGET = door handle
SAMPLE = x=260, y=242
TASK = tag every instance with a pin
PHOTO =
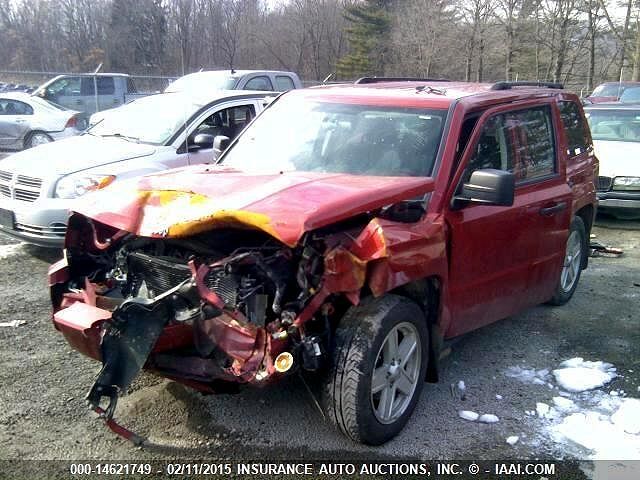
x=552, y=210
x=78, y=102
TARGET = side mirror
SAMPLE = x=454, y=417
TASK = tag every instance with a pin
x=488, y=186
x=203, y=140
x=220, y=144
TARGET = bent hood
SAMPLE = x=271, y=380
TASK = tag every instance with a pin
x=285, y=205
x=618, y=159
x=74, y=154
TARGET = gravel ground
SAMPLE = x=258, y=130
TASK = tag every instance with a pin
x=43, y=414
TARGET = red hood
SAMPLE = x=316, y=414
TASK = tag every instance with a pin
x=285, y=205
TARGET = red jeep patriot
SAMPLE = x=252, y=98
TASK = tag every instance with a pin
x=350, y=230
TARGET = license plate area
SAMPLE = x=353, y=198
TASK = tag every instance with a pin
x=7, y=219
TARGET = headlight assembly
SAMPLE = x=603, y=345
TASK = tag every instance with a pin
x=74, y=186
x=626, y=183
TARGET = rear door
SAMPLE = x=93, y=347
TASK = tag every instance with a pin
x=504, y=259
x=108, y=93
x=15, y=121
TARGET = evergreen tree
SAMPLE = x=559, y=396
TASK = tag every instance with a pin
x=370, y=25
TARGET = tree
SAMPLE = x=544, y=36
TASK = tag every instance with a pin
x=367, y=37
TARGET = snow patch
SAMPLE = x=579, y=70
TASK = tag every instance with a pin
x=578, y=375
x=468, y=415
x=488, y=418
x=542, y=409
x=628, y=416
x=564, y=404
x=597, y=433
x=9, y=250
x=512, y=440
x=528, y=375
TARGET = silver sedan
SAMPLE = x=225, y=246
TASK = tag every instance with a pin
x=27, y=121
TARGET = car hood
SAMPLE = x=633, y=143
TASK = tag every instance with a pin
x=285, y=205
x=74, y=154
x=618, y=159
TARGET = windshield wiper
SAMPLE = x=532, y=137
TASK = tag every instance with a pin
x=124, y=137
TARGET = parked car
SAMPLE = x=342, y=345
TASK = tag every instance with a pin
x=263, y=80
x=27, y=121
x=155, y=133
x=348, y=231
x=609, y=92
x=616, y=137
x=90, y=93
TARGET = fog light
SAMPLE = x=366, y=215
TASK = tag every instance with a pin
x=284, y=361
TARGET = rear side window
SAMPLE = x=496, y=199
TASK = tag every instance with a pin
x=86, y=86
x=535, y=151
x=105, y=86
x=259, y=83
x=521, y=142
x=284, y=83
x=575, y=128
x=14, y=107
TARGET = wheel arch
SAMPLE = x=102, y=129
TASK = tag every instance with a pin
x=427, y=292
x=587, y=215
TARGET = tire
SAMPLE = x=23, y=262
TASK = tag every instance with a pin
x=575, y=257
x=348, y=398
x=36, y=138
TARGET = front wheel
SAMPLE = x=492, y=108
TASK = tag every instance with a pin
x=378, y=369
x=574, y=257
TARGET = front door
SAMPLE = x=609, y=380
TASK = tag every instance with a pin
x=228, y=119
x=504, y=259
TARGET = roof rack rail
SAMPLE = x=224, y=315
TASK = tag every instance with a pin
x=510, y=85
x=367, y=80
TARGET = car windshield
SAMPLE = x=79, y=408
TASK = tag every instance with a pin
x=616, y=125
x=297, y=134
x=154, y=119
x=202, y=82
x=608, y=90
x=631, y=95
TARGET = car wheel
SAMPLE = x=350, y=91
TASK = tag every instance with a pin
x=378, y=369
x=37, y=138
x=574, y=258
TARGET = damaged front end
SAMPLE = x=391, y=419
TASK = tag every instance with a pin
x=217, y=309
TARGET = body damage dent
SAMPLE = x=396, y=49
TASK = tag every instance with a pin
x=285, y=205
x=129, y=336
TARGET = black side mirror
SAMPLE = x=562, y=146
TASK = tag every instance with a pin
x=489, y=186
x=203, y=140
x=220, y=144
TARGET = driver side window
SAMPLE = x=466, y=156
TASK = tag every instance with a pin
x=521, y=142
x=228, y=122
x=493, y=149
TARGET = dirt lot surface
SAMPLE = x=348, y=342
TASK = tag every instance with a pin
x=44, y=416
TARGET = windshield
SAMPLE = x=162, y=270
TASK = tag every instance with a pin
x=631, y=95
x=608, y=90
x=616, y=125
x=304, y=135
x=152, y=119
x=202, y=82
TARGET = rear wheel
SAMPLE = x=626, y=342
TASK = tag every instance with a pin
x=36, y=138
x=378, y=370
x=574, y=257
